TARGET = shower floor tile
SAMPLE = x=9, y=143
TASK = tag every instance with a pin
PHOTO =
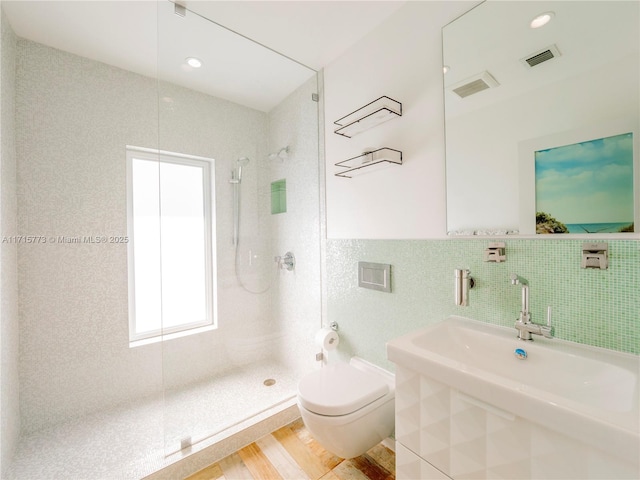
x=131, y=442
x=207, y=408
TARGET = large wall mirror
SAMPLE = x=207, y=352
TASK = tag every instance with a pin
x=542, y=123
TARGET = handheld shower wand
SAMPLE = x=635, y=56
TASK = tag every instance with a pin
x=236, y=179
x=241, y=162
x=236, y=173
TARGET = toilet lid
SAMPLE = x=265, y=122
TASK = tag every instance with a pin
x=339, y=389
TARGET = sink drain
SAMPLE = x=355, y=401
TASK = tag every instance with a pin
x=269, y=382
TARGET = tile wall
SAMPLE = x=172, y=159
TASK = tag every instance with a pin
x=593, y=307
x=9, y=328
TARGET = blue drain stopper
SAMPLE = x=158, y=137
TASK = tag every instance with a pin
x=520, y=353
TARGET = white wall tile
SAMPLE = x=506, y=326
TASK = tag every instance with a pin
x=9, y=326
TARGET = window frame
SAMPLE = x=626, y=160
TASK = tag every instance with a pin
x=209, y=212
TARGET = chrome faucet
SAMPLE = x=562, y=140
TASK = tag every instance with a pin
x=524, y=325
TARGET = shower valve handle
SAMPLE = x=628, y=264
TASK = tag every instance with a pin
x=287, y=262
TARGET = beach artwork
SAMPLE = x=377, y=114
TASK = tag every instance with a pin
x=586, y=187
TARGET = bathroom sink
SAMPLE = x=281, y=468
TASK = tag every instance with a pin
x=581, y=374
x=563, y=385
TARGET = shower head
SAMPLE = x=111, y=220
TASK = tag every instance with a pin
x=242, y=162
x=281, y=154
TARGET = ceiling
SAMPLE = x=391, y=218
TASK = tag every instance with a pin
x=588, y=35
x=146, y=37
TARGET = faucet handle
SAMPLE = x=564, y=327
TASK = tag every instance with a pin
x=547, y=331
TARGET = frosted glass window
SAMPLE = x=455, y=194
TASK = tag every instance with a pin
x=171, y=267
x=146, y=216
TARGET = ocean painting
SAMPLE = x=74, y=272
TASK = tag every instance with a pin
x=586, y=187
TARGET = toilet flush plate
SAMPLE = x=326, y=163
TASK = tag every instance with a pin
x=376, y=276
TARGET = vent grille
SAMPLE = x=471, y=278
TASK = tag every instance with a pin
x=542, y=56
x=471, y=88
x=475, y=84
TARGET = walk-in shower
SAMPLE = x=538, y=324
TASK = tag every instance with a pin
x=92, y=403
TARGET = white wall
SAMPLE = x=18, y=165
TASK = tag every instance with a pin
x=9, y=333
x=401, y=59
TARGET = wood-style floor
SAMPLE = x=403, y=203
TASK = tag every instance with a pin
x=290, y=453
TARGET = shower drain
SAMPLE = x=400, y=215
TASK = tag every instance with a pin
x=269, y=382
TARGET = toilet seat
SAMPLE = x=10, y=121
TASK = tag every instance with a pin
x=339, y=389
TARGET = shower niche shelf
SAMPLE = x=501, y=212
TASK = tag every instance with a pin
x=369, y=116
x=369, y=162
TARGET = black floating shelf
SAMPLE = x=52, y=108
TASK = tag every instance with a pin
x=372, y=114
x=369, y=162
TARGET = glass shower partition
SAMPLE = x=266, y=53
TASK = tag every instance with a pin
x=236, y=121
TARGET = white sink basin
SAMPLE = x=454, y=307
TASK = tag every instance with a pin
x=585, y=391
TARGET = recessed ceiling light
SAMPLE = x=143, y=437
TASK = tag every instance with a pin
x=541, y=20
x=194, y=62
x=445, y=68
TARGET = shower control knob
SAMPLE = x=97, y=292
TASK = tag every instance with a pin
x=287, y=262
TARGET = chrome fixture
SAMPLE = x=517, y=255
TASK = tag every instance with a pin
x=524, y=325
x=179, y=10
x=287, y=262
x=236, y=180
x=494, y=252
x=464, y=282
x=595, y=255
x=375, y=276
x=236, y=173
x=282, y=154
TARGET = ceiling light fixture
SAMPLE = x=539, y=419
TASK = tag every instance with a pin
x=445, y=68
x=542, y=19
x=194, y=62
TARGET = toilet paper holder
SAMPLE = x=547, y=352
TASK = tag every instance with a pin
x=333, y=326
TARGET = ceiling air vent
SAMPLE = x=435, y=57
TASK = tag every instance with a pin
x=541, y=56
x=475, y=84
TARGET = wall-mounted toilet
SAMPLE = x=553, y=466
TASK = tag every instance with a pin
x=348, y=407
